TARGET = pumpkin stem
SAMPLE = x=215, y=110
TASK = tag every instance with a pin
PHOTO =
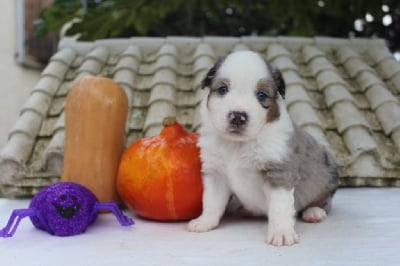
x=169, y=121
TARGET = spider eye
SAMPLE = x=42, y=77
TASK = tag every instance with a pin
x=261, y=96
x=222, y=90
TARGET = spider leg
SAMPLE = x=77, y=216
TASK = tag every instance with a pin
x=113, y=207
x=15, y=219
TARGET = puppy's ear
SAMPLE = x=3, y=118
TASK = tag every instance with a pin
x=278, y=79
x=208, y=79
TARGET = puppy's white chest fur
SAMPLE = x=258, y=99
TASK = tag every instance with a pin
x=236, y=165
x=247, y=184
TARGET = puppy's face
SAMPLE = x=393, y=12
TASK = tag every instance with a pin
x=244, y=95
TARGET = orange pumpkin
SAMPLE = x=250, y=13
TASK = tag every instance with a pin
x=159, y=177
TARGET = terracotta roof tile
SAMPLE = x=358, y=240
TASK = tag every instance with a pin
x=311, y=53
x=365, y=80
x=336, y=93
x=47, y=84
x=389, y=117
x=127, y=62
x=66, y=56
x=396, y=138
x=296, y=93
x=277, y=50
x=39, y=102
x=28, y=124
x=292, y=78
x=303, y=114
x=347, y=116
x=386, y=65
x=344, y=92
x=378, y=95
x=55, y=69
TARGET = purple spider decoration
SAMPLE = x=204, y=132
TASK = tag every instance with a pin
x=63, y=209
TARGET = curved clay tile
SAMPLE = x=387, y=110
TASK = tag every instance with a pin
x=47, y=84
x=240, y=47
x=382, y=102
x=94, y=62
x=276, y=50
x=344, y=92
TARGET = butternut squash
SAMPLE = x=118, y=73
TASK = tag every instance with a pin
x=95, y=116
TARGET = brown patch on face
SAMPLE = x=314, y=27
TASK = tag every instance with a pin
x=210, y=76
x=268, y=89
x=278, y=80
x=273, y=113
x=217, y=83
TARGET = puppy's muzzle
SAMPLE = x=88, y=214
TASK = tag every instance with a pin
x=238, y=120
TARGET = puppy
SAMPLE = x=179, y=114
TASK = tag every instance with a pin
x=251, y=149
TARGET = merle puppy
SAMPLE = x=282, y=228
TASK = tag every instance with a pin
x=250, y=148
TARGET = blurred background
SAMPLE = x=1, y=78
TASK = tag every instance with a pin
x=99, y=19
x=31, y=29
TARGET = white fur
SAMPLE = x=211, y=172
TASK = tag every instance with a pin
x=281, y=221
x=241, y=97
x=231, y=164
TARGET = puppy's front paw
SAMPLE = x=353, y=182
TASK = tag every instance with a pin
x=202, y=224
x=282, y=237
x=313, y=215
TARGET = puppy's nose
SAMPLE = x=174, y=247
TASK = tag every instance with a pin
x=238, y=119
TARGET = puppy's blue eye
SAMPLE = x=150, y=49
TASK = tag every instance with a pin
x=222, y=90
x=261, y=96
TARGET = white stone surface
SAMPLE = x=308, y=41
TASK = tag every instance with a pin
x=363, y=229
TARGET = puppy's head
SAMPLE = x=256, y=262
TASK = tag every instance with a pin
x=244, y=95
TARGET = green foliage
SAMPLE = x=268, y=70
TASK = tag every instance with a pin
x=57, y=15
x=101, y=19
x=107, y=18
